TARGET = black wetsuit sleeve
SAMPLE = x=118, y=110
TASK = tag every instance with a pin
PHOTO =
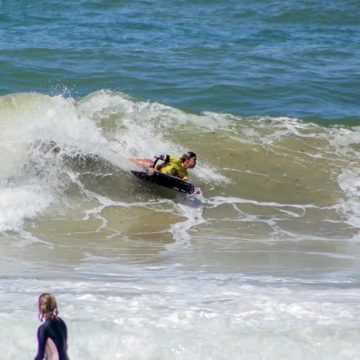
x=61, y=337
x=65, y=335
x=42, y=337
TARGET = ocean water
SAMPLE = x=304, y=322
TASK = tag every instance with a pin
x=264, y=264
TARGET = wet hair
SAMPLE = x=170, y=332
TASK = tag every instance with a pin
x=47, y=307
x=188, y=155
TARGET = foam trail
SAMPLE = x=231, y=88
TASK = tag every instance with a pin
x=20, y=203
x=180, y=229
x=349, y=181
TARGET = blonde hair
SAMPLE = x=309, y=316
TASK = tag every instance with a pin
x=47, y=307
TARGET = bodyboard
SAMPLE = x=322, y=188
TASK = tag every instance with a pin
x=168, y=181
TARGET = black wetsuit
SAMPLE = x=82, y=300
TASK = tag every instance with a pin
x=57, y=331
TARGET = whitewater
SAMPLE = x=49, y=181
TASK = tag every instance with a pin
x=264, y=265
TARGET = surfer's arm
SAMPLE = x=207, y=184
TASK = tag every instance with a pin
x=163, y=157
x=152, y=167
x=41, y=335
x=152, y=170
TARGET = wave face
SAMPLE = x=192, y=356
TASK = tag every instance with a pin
x=281, y=177
x=271, y=244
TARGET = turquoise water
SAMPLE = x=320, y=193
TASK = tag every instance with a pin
x=264, y=264
x=293, y=58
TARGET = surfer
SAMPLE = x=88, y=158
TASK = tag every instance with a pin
x=52, y=335
x=174, y=166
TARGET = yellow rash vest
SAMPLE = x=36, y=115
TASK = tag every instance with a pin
x=172, y=166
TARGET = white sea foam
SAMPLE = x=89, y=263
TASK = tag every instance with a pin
x=156, y=313
x=180, y=230
x=142, y=129
x=349, y=181
x=33, y=182
x=18, y=204
x=346, y=141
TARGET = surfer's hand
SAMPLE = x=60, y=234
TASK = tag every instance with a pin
x=152, y=171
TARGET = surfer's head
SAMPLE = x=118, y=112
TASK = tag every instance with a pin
x=47, y=307
x=189, y=160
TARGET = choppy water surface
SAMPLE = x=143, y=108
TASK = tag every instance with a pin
x=265, y=263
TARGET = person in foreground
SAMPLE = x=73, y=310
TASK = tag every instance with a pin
x=52, y=334
x=174, y=166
